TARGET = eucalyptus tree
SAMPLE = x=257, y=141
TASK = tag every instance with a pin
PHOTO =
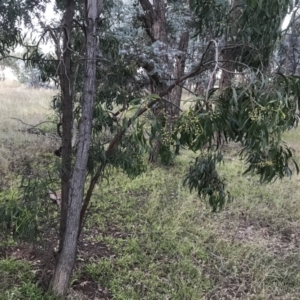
x=286, y=56
x=76, y=179
x=244, y=113
x=251, y=31
x=154, y=36
x=170, y=39
x=100, y=50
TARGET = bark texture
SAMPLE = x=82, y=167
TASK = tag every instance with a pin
x=292, y=57
x=156, y=27
x=173, y=107
x=67, y=113
x=228, y=56
x=67, y=256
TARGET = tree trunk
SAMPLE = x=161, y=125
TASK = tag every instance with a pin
x=228, y=56
x=292, y=62
x=67, y=113
x=156, y=27
x=173, y=107
x=227, y=72
x=67, y=257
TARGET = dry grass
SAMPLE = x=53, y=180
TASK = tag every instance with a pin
x=29, y=105
x=19, y=146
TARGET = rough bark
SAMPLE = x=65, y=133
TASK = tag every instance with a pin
x=156, y=27
x=67, y=113
x=228, y=56
x=173, y=107
x=292, y=60
x=155, y=19
x=67, y=257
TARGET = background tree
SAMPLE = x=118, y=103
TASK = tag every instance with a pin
x=12, y=13
x=286, y=57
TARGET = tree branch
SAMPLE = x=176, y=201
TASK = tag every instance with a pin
x=33, y=126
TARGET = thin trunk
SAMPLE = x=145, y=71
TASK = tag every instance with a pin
x=67, y=91
x=89, y=193
x=228, y=56
x=66, y=261
x=227, y=72
x=173, y=107
x=67, y=114
x=291, y=55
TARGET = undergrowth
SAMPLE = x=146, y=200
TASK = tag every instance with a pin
x=149, y=238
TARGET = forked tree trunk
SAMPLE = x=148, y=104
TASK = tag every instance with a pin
x=156, y=28
x=67, y=257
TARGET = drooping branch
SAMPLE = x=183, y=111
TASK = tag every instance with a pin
x=33, y=126
x=117, y=138
x=27, y=59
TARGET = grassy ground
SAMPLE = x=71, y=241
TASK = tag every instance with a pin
x=149, y=238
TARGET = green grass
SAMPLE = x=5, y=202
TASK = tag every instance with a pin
x=161, y=241
x=17, y=281
x=158, y=254
x=21, y=154
x=168, y=245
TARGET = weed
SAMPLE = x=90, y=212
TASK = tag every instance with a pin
x=16, y=281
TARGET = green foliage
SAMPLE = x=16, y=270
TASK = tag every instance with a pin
x=117, y=83
x=204, y=178
x=17, y=219
x=252, y=26
x=257, y=117
x=24, y=211
x=254, y=114
x=195, y=129
x=259, y=30
x=12, y=14
x=210, y=15
x=129, y=155
x=271, y=164
x=16, y=281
